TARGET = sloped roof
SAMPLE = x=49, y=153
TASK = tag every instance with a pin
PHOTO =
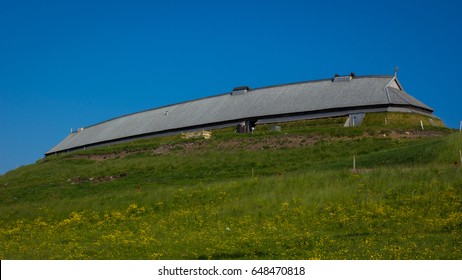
x=295, y=98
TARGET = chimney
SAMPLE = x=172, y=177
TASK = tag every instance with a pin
x=240, y=90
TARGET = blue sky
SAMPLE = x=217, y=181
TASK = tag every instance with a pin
x=70, y=64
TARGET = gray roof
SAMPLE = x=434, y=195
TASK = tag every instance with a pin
x=268, y=102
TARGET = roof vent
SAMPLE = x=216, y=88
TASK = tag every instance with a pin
x=337, y=78
x=240, y=90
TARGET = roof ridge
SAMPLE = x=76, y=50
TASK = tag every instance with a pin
x=226, y=93
x=319, y=80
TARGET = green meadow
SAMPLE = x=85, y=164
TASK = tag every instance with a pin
x=291, y=194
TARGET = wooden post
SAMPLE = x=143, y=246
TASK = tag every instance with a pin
x=421, y=124
x=460, y=157
x=354, y=163
x=386, y=121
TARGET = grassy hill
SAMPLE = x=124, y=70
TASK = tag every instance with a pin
x=269, y=195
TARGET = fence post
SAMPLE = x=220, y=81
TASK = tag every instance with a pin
x=354, y=163
x=460, y=157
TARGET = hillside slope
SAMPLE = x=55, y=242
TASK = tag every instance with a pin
x=270, y=195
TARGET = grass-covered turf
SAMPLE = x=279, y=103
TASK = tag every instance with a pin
x=269, y=195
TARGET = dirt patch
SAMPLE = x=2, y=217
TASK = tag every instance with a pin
x=258, y=143
x=102, y=157
x=283, y=141
x=410, y=134
x=275, y=142
x=162, y=150
x=100, y=179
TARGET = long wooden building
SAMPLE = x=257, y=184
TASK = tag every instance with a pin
x=348, y=95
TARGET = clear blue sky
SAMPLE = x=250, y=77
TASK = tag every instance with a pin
x=70, y=64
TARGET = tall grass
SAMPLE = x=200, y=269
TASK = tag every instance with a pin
x=381, y=214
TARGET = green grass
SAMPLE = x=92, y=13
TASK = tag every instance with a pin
x=270, y=195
